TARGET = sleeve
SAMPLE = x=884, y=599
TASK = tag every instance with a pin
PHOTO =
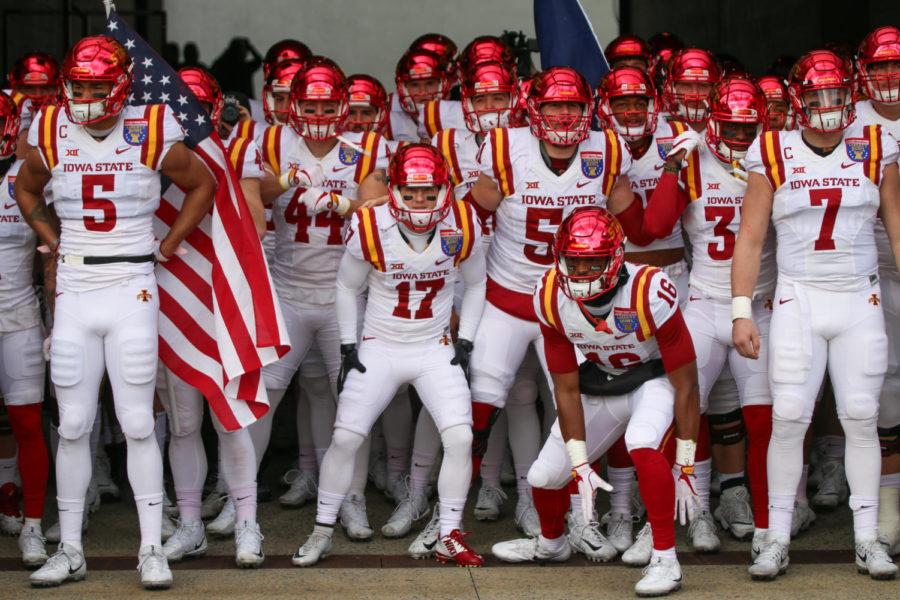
x=383, y=157
x=891, y=149
x=271, y=149
x=664, y=207
x=753, y=158
x=351, y=280
x=617, y=160
x=765, y=158
x=662, y=299
x=559, y=352
x=494, y=160
x=351, y=237
x=675, y=345
x=33, y=132
x=474, y=274
x=172, y=133
x=251, y=162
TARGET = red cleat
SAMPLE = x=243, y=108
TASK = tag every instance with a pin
x=454, y=548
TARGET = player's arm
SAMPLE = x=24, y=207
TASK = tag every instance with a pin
x=250, y=186
x=474, y=275
x=485, y=193
x=269, y=188
x=373, y=191
x=351, y=280
x=755, y=214
x=890, y=207
x=33, y=176
x=188, y=172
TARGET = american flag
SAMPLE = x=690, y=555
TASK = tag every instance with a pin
x=219, y=322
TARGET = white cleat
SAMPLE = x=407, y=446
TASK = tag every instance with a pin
x=32, y=544
x=802, y=519
x=833, y=489
x=303, y=488
x=735, y=513
x=396, y=487
x=66, y=565
x=223, y=525
x=702, y=533
x=154, y=568
x=409, y=511
x=52, y=534
x=873, y=559
x=527, y=520
x=189, y=540
x=424, y=544
x=248, y=539
x=639, y=553
x=10, y=524
x=315, y=548
x=168, y=528
x=354, y=519
x=756, y=544
x=587, y=539
x=619, y=530
x=490, y=499
x=661, y=577
x=771, y=562
x=529, y=550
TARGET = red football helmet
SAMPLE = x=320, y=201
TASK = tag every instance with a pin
x=284, y=50
x=622, y=82
x=778, y=106
x=665, y=42
x=878, y=63
x=629, y=51
x=589, y=232
x=367, y=92
x=490, y=78
x=820, y=88
x=9, y=130
x=695, y=69
x=485, y=48
x=96, y=59
x=737, y=115
x=422, y=166
x=205, y=87
x=420, y=65
x=321, y=81
x=36, y=75
x=278, y=111
x=558, y=85
x=437, y=43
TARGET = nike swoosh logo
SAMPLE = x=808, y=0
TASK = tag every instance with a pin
x=154, y=503
x=73, y=571
x=455, y=510
x=366, y=338
x=783, y=301
x=418, y=465
x=692, y=298
x=846, y=166
x=58, y=294
x=581, y=184
x=430, y=545
x=121, y=150
x=8, y=206
x=338, y=169
x=659, y=166
x=590, y=545
x=440, y=262
x=619, y=337
x=244, y=498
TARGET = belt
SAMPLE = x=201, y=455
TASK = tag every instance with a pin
x=70, y=259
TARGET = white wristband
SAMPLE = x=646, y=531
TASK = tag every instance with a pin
x=284, y=180
x=577, y=452
x=685, y=450
x=741, y=308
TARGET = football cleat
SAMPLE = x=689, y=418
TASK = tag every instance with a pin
x=10, y=514
x=154, y=568
x=396, y=487
x=639, y=553
x=303, y=488
x=354, y=519
x=526, y=516
x=490, y=499
x=453, y=547
x=424, y=544
x=189, y=540
x=872, y=559
x=67, y=564
x=315, y=548
x=771, y=561
x=587, y=539
x=32, y=545
x=223, y=525
x=661, y=577
x=530, y=550
x=410, y=510
x=735, y=513
x=214, y=501
x=833, y=489
x=619, y=530
x=756, y=544
x=802, y=519
x=702, y=533
x=248, y=539
x=167, y=529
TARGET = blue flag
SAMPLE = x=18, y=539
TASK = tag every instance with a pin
x=566, y=39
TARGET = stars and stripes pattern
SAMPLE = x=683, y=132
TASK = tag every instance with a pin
x=219, y=321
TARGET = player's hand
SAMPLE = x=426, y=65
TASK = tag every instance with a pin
x=166, y=249
x=313, y=177
x=684, y=144
x=373, y=202
x=349, y=361
x=462, y=351
x=686, y=499
x=332, y=201
x=745, y=337
x=588, y=483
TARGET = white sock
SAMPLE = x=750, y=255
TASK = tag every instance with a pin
x=801, y=487
x=621, y=478
x=451, y=514
x=667, y=553
x=492, y=462
x=554, y=544
x=703, y=472
x=149, y=510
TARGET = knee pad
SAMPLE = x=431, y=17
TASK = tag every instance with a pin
x=727, y=429
x=642, y=435
x=137, y=424
x=788, y=407
x=548, y=477
x=74, y=424
x=457, y=439
x=860, y=406
x=139, y=360
x=346, y=440
x=66, y=363
x=890, y=440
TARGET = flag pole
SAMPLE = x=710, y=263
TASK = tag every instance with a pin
x=108, y=4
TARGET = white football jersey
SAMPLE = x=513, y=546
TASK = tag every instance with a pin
x=436, y=115
x=247, y=128
x=26, y=110
x=640, y=307
x=105, y=192
x=308, y=248
x=712, y=221
x=644, y=176
x=866, y=115
x=536, y=200
x=17, y=248
x=824, y=208
x=400, y=126
x=460, y=149
x=411, y=293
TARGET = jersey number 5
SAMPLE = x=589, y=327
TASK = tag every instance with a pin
x=106, y=183
x=540, y=254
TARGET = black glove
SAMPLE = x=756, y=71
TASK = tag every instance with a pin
x=349, y=361
x=462, y=350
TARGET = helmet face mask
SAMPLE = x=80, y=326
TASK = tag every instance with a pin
x=368, y=104
x=559, y=106
x=820, y=89
x=589, y=252
x=490, y=97
x=277, y=89
x=419, y=191
x=628, y=103
x=319, y=103
x=96, y=80
x=878, y=65
x=691, y=74
x=421, y=76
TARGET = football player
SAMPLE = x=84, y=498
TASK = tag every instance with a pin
x=821, y=186
x=421, y=76
x=778, y=107
x=629, y=51
x=103, y=163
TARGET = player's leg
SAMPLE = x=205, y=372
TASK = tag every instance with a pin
x=524, y=437
x=491, y=495
x=396, y=423
x=889, y=421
